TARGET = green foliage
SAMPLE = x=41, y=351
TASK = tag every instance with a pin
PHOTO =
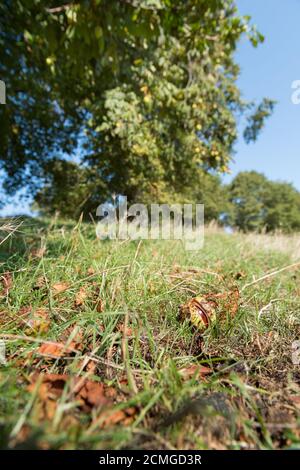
x=257, y=119
x=69, y=190
x=247, y=195
x=283, y=207
x=214, y=195
x=260, y=204
x=146, y=89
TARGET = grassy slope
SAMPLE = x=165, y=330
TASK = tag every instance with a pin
x=246, y=402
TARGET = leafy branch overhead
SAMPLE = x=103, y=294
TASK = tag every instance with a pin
x=144, y=91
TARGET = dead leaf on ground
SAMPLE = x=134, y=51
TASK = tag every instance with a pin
x=7, y=283
x=109, y=418
x=38, y=252
x=197, y=371
x=89, y=394
x=73, y=336
x=99, y=306
x=55, y=350
x=38, y=322
x=40, y=283
x=80, y=297
x=127, y=331
x=227, y=301
x=295, y=399
x=60, y=287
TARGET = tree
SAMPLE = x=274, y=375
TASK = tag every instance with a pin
x=214, y=195
x=247, y=193
x=146, y=89
x=71, y=192
x=259, y=204
x=283, y=207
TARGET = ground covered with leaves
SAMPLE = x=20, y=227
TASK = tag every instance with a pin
x=98, y=357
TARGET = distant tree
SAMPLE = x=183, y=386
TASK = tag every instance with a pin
x=259, y=204
x=247, y=193
x=283, y=207
x=214, y=195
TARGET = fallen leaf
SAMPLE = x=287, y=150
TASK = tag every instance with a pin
x=126, y=331
x=51, y=385
x=228, y=301
x=100, y=306
x=88, y=393
x=60, y=287
x=55, y=350
x=295, y=399
x=80, y=297
x=92, y=395
x=40, y=283
x=111, y=417
x=196, y=371
x=7, y=283
x=73, y=336
x=39, y=322
x=38, y=252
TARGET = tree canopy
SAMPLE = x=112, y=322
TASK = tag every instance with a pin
x=143, y=92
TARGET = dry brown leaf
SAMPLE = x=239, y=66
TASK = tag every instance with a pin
x=38, y=252
x=55, y=350
x=60, y=287
x=111, y=417
x=7, y=283
x=91, y=367
x=196, y=371
x=100, y=306
x=88, y=393
x=228, y=301
x=51, y=385
x=80, y=297
x=41, y=282
x=126, y=331
x=39, y=322
x=73, y=336
x=295, y=399
x=91, y=394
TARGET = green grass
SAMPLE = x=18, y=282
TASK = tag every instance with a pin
x=248, y=401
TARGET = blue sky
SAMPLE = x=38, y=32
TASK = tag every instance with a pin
x=267, y=71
